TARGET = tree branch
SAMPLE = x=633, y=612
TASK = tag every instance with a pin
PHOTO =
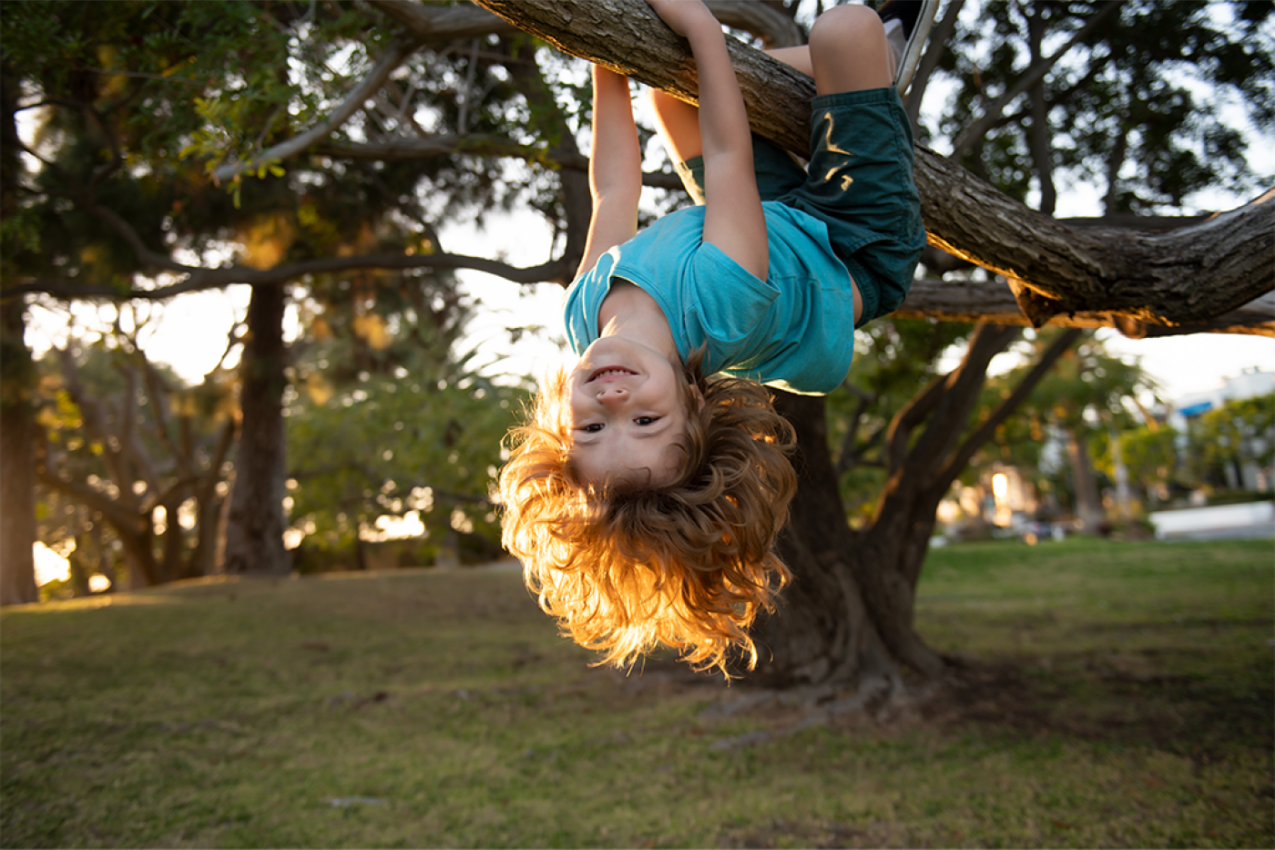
x=449, y=144
x=959, y=459
x=199, y=279
x=395, y=56
x=445, y=23
x=974, y=132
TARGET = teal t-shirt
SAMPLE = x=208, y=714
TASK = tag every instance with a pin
x=793, y=331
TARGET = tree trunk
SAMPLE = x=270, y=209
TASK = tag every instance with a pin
x=822, y=631
x=254, y=531
x=1088, y=501
x=17, y=460
x=848, y=616
x=17, y=378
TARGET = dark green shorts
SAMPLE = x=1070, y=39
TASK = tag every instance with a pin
x=859, y=182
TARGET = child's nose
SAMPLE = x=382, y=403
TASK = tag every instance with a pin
x=612, y=395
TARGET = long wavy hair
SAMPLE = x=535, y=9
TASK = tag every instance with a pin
x=688, y=564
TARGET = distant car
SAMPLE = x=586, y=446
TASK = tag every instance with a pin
x=1033, y=531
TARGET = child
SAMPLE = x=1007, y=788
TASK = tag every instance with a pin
x=644, y=497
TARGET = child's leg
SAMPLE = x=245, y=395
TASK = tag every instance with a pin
x=678, y=125
x=678, y=121
x=849, y=51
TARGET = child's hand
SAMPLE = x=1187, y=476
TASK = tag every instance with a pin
x=684, y=16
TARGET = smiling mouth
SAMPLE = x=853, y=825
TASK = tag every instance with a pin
x=609, y=372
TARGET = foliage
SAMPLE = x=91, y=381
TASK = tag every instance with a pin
x=395, y=445
x=1150, y=456
x=1088, y=393
x=136, y=104
x=1139, y=109
x=1116, y=694
x=1240, y=431
x=132, y=463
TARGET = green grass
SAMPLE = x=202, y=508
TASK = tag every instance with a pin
x=1117, y=694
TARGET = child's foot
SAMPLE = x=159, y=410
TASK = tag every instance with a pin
x=907, y=25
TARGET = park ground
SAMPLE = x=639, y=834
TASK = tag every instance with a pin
x=1113, y=694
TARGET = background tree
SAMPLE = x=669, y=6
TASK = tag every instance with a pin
x=17, y=374
x=157, y=87
x=1082, y=398
x=1150, y=455
x=127, y=446
x=1224, y=441
x=388, y=423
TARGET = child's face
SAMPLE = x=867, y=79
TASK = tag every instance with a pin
x=627, y=413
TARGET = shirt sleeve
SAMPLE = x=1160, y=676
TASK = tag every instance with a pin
x=730, y=302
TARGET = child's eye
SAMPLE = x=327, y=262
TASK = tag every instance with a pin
x=592, y=427
x=646, y=420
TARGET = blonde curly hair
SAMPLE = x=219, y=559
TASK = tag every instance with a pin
x=688, y=564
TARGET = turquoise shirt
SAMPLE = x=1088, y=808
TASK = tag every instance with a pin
x=793, y=331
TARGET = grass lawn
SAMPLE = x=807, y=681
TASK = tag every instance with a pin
x=1116, y=694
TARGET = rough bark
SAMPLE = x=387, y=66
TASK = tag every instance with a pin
x=17, y=461
x=822, y=631
x=254, y=531
x=17, y=378
x=1188, y=276
x=990, y=300
x=847, y=617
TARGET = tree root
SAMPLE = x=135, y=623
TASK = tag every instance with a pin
x=882, y=698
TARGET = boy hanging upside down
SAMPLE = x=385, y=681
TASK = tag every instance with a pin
x=646, y=492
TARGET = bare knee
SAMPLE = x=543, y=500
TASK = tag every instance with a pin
x=849, y=51
x=847, y=27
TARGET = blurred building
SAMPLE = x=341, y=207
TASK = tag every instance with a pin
x=1248, y=384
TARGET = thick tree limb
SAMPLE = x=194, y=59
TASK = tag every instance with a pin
x=445, y=23
x=958, y=300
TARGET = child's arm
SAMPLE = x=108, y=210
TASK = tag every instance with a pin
x=615, y=167
x=733, y=217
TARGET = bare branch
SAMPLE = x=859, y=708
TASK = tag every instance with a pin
x=395, y=56
x=959, y=459
x=477, y=144
x=199, y=279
